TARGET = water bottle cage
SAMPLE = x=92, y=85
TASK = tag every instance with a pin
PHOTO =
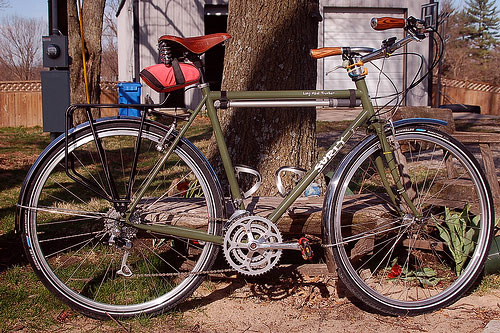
x=299, y=172
x=241, y=169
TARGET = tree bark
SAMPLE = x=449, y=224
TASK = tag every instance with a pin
x=270, y=51
x=92, y=13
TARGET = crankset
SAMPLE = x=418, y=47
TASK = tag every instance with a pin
x=253, y=245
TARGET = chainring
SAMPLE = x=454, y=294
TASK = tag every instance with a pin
x=242, y=245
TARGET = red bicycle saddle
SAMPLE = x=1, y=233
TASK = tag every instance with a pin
x=199, y=44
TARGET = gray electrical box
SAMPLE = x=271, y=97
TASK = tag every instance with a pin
x=55, y=51
x=55, y=99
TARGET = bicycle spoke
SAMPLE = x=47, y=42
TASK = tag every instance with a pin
x=398, y=261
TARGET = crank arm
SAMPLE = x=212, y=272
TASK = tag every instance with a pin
x=302, y=245
x=279, y=246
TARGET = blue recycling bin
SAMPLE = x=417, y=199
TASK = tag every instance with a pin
x=129, y=93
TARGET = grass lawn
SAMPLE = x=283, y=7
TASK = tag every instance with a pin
x=25, y=304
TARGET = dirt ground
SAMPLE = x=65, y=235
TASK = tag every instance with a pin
x=314, y=306
x=294, y=303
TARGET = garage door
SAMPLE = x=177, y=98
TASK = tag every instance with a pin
x=351, y=27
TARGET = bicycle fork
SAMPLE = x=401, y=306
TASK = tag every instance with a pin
x=388, y=151
x=395, y=169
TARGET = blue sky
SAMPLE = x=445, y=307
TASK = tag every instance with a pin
x=27, y=8
x=38, y=8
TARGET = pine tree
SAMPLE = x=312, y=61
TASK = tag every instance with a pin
x=481, y=25
x=467, y=57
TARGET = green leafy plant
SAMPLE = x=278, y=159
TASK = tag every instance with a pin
x=426, y=276
x=459, y=231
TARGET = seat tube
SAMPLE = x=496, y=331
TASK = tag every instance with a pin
x=221, y=144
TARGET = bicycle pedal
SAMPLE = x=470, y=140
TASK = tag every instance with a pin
x=305, y=249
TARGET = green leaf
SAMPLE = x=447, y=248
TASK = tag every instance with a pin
x=429, y=272
x=431, y=282
x=460, y=234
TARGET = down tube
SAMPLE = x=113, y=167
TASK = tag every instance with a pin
x=319, y=167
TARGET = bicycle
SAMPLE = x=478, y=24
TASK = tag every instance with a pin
x=124, y=216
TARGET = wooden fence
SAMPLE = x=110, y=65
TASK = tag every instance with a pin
x=21, y=102
x=471, y=93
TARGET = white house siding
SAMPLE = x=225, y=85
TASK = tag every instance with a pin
x=351, y=27
x=182, y=18
x=347, y=23
x=185, y=18
x=125, y=43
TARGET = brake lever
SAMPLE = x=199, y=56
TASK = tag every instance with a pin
x=334, y=69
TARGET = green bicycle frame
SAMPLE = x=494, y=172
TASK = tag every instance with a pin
x=209, y=97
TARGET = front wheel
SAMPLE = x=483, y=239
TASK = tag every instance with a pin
x=77, y=242
x=398, y=262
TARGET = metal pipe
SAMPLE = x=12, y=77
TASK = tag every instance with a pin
x=120, y=6
x=286, y=94
x=332, y=102
x=430, y=78
x=136, y=28
x=54, y=18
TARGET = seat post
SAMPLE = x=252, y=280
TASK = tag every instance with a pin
x=199, y=64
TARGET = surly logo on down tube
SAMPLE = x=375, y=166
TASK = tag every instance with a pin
x=330, y=154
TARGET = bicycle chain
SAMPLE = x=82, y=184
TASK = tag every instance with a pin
x=213, y=271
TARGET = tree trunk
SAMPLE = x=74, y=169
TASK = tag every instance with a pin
x=270, y=51
x=92, y=13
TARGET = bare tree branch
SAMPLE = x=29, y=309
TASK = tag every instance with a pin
x=109, y=65
x=20, y=45
x=4, y=4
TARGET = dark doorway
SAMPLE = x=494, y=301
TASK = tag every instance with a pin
x=215, y=21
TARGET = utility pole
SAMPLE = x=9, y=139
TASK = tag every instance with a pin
x=55, y=82
x=429, y=14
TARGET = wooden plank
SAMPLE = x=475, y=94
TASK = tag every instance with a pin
x=489, y=167
x=33, y=110
x=314, y=270
x=3, y=111
x=424, y=244
x=477, y=137
x=21, y=109
x=364, y=212
x=109, y=97
x=11, y=109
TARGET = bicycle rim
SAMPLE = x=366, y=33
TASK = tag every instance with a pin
x=399, y=263
x=92, y=261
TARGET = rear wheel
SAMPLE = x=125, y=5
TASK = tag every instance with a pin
x=399, y=263
x=80, y=248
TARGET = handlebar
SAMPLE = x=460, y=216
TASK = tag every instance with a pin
x=416, y=32
x=384, y=23
x=325, y=52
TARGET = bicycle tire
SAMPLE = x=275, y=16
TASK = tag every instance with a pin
x=67, y=228
x=402, y=265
